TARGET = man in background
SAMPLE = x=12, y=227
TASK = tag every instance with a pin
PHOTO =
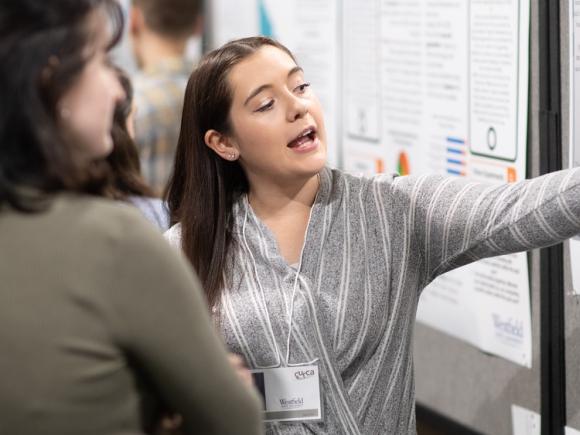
x=160, y=30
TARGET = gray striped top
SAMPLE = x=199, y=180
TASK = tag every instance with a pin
x=372, y=245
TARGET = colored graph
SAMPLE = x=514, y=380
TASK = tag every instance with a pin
x=403, y=166
x=456, y=156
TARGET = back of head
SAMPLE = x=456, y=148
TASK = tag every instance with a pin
x=170, y=18
x=44, y=47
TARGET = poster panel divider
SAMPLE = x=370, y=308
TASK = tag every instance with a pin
x=552, y=342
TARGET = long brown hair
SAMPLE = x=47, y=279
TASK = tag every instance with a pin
x=204, y=187
x=125, y=176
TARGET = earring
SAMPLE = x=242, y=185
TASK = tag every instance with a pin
x=232, y=156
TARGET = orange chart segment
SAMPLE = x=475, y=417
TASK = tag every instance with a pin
x=403, y=166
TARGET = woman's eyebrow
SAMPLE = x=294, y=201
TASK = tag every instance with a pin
x=267, y=86
x=295, y=70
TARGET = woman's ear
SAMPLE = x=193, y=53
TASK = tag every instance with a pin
x=221, y=145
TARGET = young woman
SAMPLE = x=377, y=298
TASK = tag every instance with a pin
x=126, y=182
x=102, y=325
x=307, y=265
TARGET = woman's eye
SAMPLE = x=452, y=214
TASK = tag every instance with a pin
x=266, y=106
x=302, y=88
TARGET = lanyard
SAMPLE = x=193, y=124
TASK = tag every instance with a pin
x=294, y=287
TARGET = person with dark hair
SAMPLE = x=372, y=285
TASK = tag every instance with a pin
x=126, y=182
x=306, y=266
x=103, y=325
x=159, y=31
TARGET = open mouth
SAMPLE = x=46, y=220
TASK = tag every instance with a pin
x=307, y=136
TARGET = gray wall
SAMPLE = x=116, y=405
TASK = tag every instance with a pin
x=571, y=302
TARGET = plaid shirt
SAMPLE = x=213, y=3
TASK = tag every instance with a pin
x=159, y=100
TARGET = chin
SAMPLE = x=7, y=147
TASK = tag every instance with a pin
x=89, y=150
x=314, y=165
x=321, y=164
x=107, y=146
x=320, y=158
x=103, y=149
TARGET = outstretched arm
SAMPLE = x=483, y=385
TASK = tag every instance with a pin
x=457, y=221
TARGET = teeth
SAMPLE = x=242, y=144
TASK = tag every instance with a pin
x=300, y=140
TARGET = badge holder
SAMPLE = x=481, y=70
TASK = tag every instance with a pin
x=290, y=393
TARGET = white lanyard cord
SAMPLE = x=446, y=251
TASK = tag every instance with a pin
x=271, y=330
x=291, y=313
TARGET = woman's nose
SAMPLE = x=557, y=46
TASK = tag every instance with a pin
x=298, y=109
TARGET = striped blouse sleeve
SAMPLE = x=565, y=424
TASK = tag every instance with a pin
x=456, y=221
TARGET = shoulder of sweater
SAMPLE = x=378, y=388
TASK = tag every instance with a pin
x=365, y=178
x=357, y=180
x=99, y=218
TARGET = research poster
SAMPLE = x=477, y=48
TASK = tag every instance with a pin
x=309, y=28
x=575, y=124
x=442, y=87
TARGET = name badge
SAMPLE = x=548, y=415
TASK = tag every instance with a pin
x=290, y=393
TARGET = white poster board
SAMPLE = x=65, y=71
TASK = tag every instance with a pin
x=442, y=87
x=575, y=124
x=309, y=28
x=525, y=422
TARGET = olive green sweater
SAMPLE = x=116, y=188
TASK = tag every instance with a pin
x=100, y=320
